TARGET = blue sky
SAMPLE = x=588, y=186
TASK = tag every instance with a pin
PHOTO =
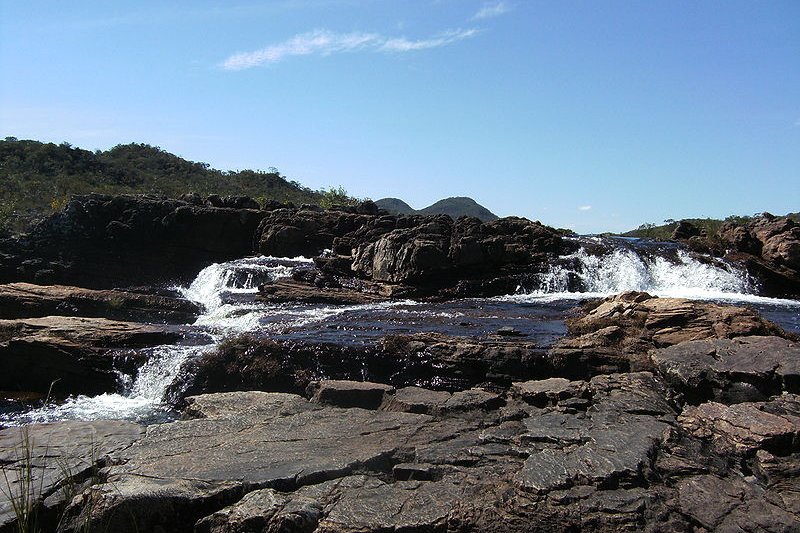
x=597, y=116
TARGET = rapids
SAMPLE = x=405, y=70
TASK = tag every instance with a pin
x=227, y=292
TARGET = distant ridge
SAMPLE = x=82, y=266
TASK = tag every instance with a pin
x=455, y=206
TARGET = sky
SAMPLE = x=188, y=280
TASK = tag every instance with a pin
x=595, y=116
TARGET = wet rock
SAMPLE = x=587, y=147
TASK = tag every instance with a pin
x=26, y=300
x=54, y=461
x=362, y=394
x=73, y=355
x=289, y=290
x=430, y=360
x=731, y=370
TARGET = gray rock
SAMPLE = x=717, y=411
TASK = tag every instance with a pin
x=416, y=400
x=50, y=461
x=731, y=370
x=342, y=393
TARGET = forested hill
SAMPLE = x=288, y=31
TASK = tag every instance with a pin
x=38, y=178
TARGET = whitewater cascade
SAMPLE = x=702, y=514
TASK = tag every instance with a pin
x=142, y=399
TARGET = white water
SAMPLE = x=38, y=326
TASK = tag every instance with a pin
x=625, y=270
x=225, y=292
x=143, y=396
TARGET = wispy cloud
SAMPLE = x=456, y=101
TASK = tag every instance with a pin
x=491, y=10
x=324, y=43
x=584, y=207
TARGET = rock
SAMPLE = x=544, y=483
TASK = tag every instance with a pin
x=744, y=428
x=289, y=290
x=362, y=394
x=103, y=241
x=431, y=360
x=177, y=472
x=769, y=247
x=62, y=456
x=416, y=400
x=254, y=461
x=731, y=370
x=614, y=441
x=292, y=233
x=25, y=300
x=549, y=391
x=685, y=230
x=70, y=354
x=468, y=400
x=615, y=334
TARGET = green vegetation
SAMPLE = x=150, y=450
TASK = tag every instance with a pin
x=711, y=226
x=38, y=178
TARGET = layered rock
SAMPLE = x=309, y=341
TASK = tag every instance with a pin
x=616, y=333
x=106, y=241
x=26, y=300
x=72, y=355
x=52, y=464
x=607, y=454
x=768, y=246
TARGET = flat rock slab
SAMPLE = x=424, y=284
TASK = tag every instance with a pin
x=343, y=393
x=73, y=354
x=289, y=290
x=27, y=300
x=48, y=458
x=251, y=461
x=731, y=370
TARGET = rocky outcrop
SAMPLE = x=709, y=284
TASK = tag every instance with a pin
x=429, y=360
x=72, y=355
x=616, y=333
x=730, y=370
x=768, y=246
x=108, y=241
x=26, y=300
x=607, y=454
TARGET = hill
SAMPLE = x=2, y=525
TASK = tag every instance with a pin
x=39, y=178
x=395, y=206
x=455, y=207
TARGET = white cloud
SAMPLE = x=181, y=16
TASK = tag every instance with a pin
x=324, y=43
x=584, y=207
x=492, y=10
x=404, y=45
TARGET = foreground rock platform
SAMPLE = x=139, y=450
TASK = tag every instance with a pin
x=607, y=454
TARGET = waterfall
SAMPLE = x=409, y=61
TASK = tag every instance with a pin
x=627, y=270
x=142, y=396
